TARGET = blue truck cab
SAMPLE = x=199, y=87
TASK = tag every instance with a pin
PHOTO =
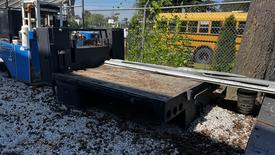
x=21, y=61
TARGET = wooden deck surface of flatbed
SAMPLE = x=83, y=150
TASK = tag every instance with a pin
x=142, y=80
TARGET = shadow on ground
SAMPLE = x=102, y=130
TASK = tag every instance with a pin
x=185, y=140
x=231, y=105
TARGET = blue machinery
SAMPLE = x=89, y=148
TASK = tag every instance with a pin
x=27, y=50
x=18, y=44
x=22, y=62
x=48, y=55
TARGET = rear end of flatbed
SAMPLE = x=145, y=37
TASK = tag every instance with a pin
x=158, y=98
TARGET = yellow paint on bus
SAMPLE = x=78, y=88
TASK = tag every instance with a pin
x=203, y=28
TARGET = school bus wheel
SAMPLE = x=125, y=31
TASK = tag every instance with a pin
x=203, y=55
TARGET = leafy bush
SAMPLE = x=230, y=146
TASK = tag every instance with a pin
x=226, y=46
x=160, y=47
x=73, y=24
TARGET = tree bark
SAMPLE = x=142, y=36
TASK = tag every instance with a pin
x=256, y=58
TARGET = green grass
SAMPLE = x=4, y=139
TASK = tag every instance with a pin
x=202, y=66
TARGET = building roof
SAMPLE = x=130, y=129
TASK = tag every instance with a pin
x=17, y=3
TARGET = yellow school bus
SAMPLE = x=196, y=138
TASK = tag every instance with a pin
x=202, y=29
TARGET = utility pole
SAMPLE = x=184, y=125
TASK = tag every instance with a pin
x=83, y=14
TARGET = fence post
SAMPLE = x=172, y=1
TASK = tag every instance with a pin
x=143, y=30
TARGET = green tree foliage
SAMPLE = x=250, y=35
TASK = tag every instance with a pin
x=200, y=8
x=235, y=7
x=73, y=24
x=226, y=46
x=161, y=47
x=156, y=4
x=141, y=3
x=134, y=23
x=94, y=20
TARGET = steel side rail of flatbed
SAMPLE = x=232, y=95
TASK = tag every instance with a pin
x=262, y=138
x=227, y=79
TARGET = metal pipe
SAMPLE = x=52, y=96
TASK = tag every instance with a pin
x=231, y=81
x=61, y=15
x=29, y=21
x=37, y=13
x=23, y=15
x=49, y=20
x=76, y=6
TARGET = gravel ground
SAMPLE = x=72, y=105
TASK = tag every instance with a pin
x=32, y=123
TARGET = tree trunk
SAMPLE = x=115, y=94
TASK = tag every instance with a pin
x=256, y=58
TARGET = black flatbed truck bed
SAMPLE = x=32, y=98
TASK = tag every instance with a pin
x=158, y=97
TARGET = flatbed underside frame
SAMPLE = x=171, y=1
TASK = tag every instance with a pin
x=78, y=89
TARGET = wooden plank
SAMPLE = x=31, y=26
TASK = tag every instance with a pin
x=141, y=80
x=107, y=87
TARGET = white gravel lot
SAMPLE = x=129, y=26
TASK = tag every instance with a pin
x=32, y=123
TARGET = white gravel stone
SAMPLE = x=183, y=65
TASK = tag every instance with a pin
x=33, y=123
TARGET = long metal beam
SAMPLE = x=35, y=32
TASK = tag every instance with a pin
x=226, y=79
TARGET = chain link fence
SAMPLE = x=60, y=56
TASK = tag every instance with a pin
x=206, y=36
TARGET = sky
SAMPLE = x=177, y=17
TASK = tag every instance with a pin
x=99, y=4
x=103, y=4
x=108, y=4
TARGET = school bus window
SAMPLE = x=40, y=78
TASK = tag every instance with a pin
x=172, y=26
x=216, y=27
x=183, y=26
x=204, y=26
x=241, y=27
x=192, y=26
x=162, y=24
x=196, y=27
